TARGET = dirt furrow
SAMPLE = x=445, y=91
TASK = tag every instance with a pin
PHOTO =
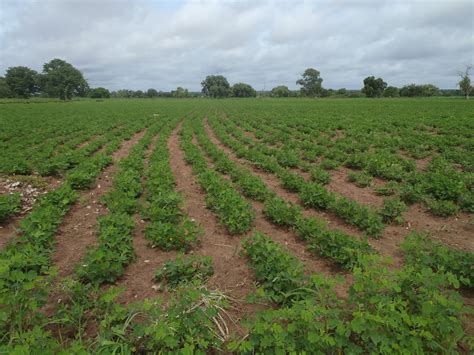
x=138, y=278
x=78, y=229
x=287, y=238
x=232, y=275
x=274, y=184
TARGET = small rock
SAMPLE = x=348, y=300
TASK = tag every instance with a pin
x=146, y=261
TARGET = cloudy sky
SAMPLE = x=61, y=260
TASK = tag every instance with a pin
x=162, y=44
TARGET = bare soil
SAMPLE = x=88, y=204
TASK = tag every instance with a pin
x=138, y=278
x=287, y=238
x=78, y=229
x=232, y=275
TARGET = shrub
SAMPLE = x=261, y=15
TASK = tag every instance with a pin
x=392, y=210
x=9, y=205
x=320, y=176
x=291, y=181
x=442, y=208
x=280, y=274
x=281, y=213
x=361, y=179
x=185, y=269
x=169, y=236
x=315, y=196
x=388, y=189
x=422, y=251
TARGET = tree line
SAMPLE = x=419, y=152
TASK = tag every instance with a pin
x=62, y=80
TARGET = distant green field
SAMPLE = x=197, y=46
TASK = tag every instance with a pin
x=208, y=212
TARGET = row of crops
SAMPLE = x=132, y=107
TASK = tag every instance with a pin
x=230, y=148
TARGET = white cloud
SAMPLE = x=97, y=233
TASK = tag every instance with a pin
x=163, y=44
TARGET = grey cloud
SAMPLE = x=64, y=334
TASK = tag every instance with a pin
x=141, y=44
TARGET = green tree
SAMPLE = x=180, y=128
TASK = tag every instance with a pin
x=180, y=92
x=391, y=91
x=465, y=82
x=429, y=90
x=310, y=83
x=373, y=87
x=341, y=92
x=243, y=90
x=5, y=91
x=414, y=90
x=22, y=81
x=60, y=79
x=138, y=94
x=99, y=93
x=280, y=91
x=151, y=93
x=215, y=86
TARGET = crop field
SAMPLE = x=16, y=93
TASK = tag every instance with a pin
x=267, y=226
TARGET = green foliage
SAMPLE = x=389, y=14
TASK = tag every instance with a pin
x=373, y=87
x=99, y=93
x=232, y=209
x=422, y=251
x=442, y=208
x=24, y=268
x=336, y=245
x=329, y=164
x=185, y=269
x=310, y=83
x=320, y=176
x=107, y=262
x=291, y=181
x=171, y=236
x=60, y=79
x=360, y=215
x=361, y=179
x=280, y=91
x=392, y=210
x=316, y=196
x=243, y=90
x=281, y=213
x=9, y=205
x=22, y=81
x=215, y=86
x=185, y=326
x=280, y=274
x=388, y=189
x=401, y=311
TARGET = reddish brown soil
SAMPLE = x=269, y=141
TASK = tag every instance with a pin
x=287, y=238
x=78, y=229
x=232, y=274
x=274, y=184
x=138, y=278
x=86, y=142
x=455, y=232
x=342, y=186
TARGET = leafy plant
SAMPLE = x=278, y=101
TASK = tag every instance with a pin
x=361, y=179
x=388, y=189
x=316, y=196
x=422, y=251
x=392, y=210
x=442, y=208
x=320, y=176
x=9, y=205
x=185, y=269
x=170, y=236
x=281, y=213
